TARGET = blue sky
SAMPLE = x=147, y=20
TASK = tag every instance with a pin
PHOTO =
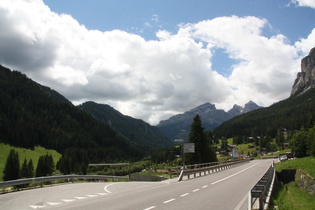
x=153, y=59
x=146, y=17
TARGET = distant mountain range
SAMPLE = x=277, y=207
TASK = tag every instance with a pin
x=210, y=116
x=137, y=131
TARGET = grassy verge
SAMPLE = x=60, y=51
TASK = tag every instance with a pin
x=306, y=164
x=25, y=153
x=290, y=196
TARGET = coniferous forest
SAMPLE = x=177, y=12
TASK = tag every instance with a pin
x=31, y=115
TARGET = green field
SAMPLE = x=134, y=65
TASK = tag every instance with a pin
x=25, y=153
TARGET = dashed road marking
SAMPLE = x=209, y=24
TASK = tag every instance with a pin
x=53, y=203
x=205, y=186
x=37, y=206
x=80, y=198
x=170, y=200
x=91, y=196
x=183, y=195
x=152, y=207
x=102, y=193
x=68, y=200
x=196, y=190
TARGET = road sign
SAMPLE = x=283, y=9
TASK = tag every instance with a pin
x=189, y=147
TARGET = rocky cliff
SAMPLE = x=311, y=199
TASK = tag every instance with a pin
x=306, y=78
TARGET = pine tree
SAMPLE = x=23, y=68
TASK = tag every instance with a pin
x=12, y=166
x=30, y=169
x=203, y=152
x=24, y=173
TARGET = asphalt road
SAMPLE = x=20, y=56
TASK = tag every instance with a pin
x=222, y=190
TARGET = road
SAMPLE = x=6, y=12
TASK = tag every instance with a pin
x=221, y=190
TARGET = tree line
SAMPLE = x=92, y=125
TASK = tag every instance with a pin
x=12, y=169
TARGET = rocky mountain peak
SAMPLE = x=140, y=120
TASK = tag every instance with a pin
x=306, y=78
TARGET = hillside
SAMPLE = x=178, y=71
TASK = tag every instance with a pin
x=292, y=114
x=33, y=154
x=31, y=115
x=137, y=131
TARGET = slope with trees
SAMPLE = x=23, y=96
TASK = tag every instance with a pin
x=31, y=115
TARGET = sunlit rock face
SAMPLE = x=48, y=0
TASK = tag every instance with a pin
x=306, y=78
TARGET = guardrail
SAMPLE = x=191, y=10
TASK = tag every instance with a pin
x=203, y=168
x=54, y=178
x=259, y=195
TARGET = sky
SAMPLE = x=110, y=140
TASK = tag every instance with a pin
x=154, y=59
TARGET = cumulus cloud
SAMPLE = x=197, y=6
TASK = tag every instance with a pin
x=154, y=79
x=305, y=3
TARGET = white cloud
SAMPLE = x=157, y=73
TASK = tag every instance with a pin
x=305, y=3
x=151, y=80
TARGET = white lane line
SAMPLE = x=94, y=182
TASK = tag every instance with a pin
x=105, y=188
x=233, y=174
x=80, y=198
x=170, y=200
x=241, y=203
x=102, y=193
x=53, y=203
x=67, y=200
x=152, y=207
x=91, y=196
x=37, y=206
x=183, y=195
x=196, y=190
x=205, y=186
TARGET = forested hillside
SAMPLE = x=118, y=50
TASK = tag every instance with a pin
x=31, y=114
x=292, y=114
x=137, y=131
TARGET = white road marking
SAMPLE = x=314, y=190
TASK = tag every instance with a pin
x=241, y=202
x=36, y=206
x=53, y=203
x=102, y=193
x=195, y=190
x=91, y=196
x=152, y=207
x=105, y=188
x=80, y=198
x=170, y=200
x=233, y=174
x=205, y=186
x=183, y=195
x=67, y=200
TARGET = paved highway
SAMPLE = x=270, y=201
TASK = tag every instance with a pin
x=222, y=190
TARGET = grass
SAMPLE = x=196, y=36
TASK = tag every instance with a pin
x=290, y=196
x=25, y=153
x=306, y=164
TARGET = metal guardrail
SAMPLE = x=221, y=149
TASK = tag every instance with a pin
x=259, y=195
x=54, y=178
x=203, y=168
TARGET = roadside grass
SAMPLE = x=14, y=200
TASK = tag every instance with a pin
x=25, y=153
x=291, y=197
x=306, y=164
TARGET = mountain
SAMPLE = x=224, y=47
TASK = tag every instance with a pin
x=210, y=116
x=306, y=78
x=32, y=114
x=293, y=113
x=137, y=131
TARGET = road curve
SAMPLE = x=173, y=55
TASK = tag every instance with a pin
x=222, y=190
